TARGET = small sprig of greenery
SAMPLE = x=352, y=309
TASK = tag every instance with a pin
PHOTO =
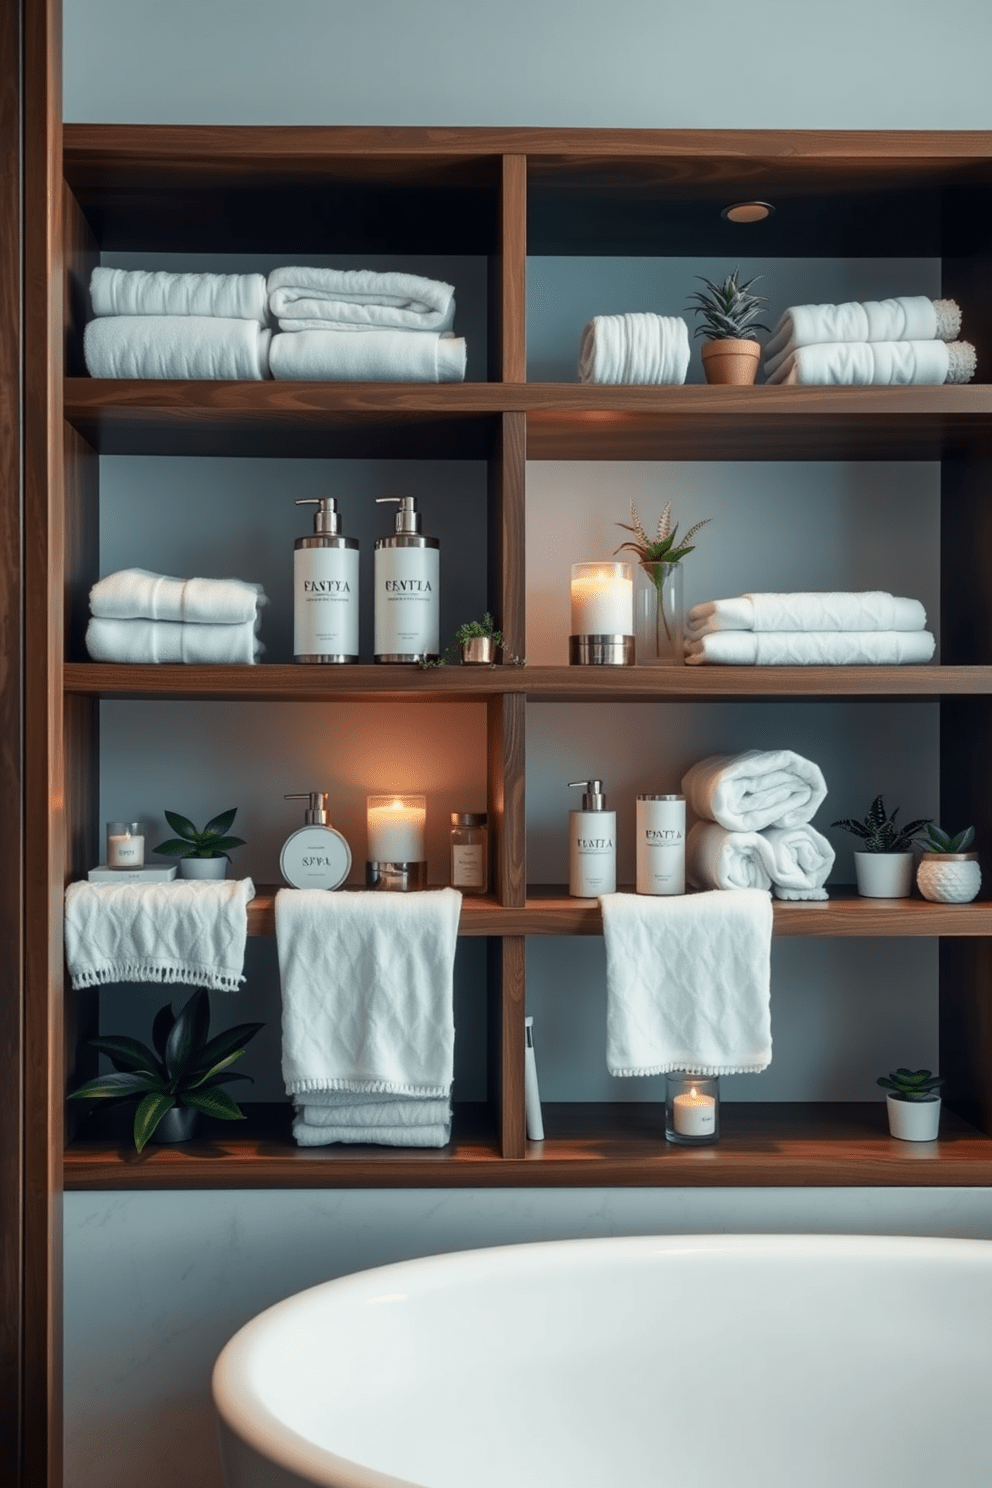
x=658, y=554
x=212, y=842
x=911, y=1085
x=936, y=840
x=879, y=833
x=727, y=309
x=472, y=629
x=188, y=1071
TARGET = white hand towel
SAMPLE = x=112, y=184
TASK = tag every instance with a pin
x=812, y=648
x=156, y=292
x=361, y=299
x=872, y=610
x=802, y=860
x=135, y=593
x=437, y=1134
x=168, y=641
x=367, y=990
x=184, y=931
x=688, y=983
x=716, y=858
x=373, y=356
x=177, y=347
x=904, y=318
x=344, y=1108
x=876, y=363
x=757, y=789
x=635, y=348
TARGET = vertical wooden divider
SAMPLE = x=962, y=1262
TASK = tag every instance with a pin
x=507, y=277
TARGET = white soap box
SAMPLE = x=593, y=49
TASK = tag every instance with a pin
x=157, y=873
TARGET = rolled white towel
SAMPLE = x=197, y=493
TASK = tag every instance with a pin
x=872, y=610
x=168, y=641
x=801, y=861
x=876, y=364
x=904, y=318
x=156, y=292
x=136, y=593
x=437, y=1134
x=176, y=346
x=716, y=858
x=757, y=789
x=374, y=356
x=304, y=298
x=812, y=648
x=640, y=348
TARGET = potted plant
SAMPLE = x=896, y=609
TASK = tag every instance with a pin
x=479, y=641
x=731, y=352
x=884, y=863
x=912, y=1105
x=947, y=872
x=658, y=600
x=201, y=854
x=180, y=1080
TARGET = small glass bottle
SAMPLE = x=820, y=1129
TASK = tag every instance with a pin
x=469, y=852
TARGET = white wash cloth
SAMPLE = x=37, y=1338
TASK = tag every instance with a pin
x=716, y=858
x=367, y=990
x=157, y=292
x=801, y=861
x=373, y=356
x=168, y=642
x=136, y=593
x=634, y=348
x=361, y=299
x=177, y=347
x=812, y=648
x=904, y=318
x=876, y=364
x=437, y=1134
x=688, y=983
x=184, y=931
x=757, y=789
x=872, y=610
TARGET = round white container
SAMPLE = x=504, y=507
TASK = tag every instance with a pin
x=661, y=844
x=949, y=878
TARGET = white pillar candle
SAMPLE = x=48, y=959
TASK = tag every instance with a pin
x=396, y=829
x=602, y=599
x=694, y=1115
x=125, y=851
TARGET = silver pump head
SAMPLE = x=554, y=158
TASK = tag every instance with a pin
x=593, y=799
x=317, y=813
x=407, y=515
x=326, y=519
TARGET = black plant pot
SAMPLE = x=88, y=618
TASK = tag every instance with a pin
x=177, y=1125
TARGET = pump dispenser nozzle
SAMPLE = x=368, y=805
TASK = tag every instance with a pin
x=318, y=812
x=326, y=518
x=593, y=799
x=407, y=515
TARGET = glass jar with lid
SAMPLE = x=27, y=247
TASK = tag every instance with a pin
x=469, y=852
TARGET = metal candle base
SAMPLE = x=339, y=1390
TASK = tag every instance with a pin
x=396, y=878
x=601, y=650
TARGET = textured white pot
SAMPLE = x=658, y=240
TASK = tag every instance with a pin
x=202, y=867
x=884, y=875
x=949, y=878
x=913, y=1121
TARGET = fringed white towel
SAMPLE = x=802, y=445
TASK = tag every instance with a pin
x=757, y=789
x=177, y=347
x=716, y=858
x=184, y=931
x=373, y=356
x=871, y=610
x=876, y=364
x=136, y=593
x=812, y=648
x=904, y=318
x=156, y=292
x=305, y=299
x=688, y=983
x=640, y=348
x=168, y=641
x=801, y=861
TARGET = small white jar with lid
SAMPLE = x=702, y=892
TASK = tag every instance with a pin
x=469, y=852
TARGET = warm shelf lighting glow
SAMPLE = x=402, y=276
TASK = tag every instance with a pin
x=750, y=211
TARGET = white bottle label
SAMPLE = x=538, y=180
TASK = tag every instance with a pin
x=467, y=867
x=325, y=602
x=406, y=601
x=661, y=847
x=315, y=857
x=592, y=854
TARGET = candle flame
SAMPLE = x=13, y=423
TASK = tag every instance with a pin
x=693, y=1090
x=397, y=806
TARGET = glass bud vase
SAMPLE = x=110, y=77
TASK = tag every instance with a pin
x=658, y=615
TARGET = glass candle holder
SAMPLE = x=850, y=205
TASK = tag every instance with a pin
x=602, y=629
x=397, y=850
x=125, y=844
x=692, y=1108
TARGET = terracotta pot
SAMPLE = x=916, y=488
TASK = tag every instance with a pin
x=733, y=362
x=913, y=1121
x=949, y=878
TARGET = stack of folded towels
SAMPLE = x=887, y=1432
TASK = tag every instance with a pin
x=162, y=325
x=139, y=616
x=355, y=325
x=911, y=339
x=755, y=833
x=842, y=629
x=635, y=348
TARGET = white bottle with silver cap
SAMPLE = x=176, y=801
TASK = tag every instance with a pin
x=407, y=590
x=325, y=589
x=317, y=856
x=661, y=844
x=592, y=844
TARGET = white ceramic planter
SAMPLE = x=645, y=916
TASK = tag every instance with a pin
x=203, y=868
x=884, y=875
x=949, y=878
x=913, y=1121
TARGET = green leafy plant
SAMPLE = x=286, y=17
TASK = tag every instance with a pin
x=910, y=1085
x=658, y=553
x=186, y=1069
x=878, y=832
x=486, y=627
x=728, y=311
x=936, y=840
x=212, y=842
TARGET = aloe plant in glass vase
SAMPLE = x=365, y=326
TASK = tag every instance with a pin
x=658, y=622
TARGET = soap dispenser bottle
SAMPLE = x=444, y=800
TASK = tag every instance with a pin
x=316, y=856
x=325, y=589
x=407, y=571
x=592, y=844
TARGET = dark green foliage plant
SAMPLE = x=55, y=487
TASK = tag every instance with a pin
x=728, y=311
x=878, y=832
x=936, y=840
x=911, y=1085
x=212, y=842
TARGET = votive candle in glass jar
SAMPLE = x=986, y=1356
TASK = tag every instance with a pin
x=397, y=850
x=692, y=1108
x=469, y=852
x=602, y=629
x=125, y=844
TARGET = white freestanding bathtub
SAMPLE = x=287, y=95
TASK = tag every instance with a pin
x=690, y=1361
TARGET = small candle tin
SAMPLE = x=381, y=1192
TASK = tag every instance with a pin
x=692, y=1108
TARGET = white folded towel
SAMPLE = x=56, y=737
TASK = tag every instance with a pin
x=688, y=983
x=438, y=1134
x=306, y=298
x=801, y=861
x=872, y=610
x=875, y=363
x=345, y=1108
x=178, y=347
x=373, y=356
x=716, y=858
x=184, y=931
x=367, y=991
x=635, y=348
x=812, y=648
x=156, y=292
x=136, y=593
x=757, y=789
x=904, y=318
x=168, y=641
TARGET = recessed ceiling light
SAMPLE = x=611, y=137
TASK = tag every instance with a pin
x=749, y=211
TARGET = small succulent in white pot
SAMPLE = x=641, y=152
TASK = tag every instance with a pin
x=201, y=854
x=912, y=1103
x=948, y=873
x=883, y=863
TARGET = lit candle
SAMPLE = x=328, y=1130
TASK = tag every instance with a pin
x=602, y=599
x=396, y=829
x=694, y=1115
x=125, y=845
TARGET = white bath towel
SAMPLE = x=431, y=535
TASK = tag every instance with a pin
x=156, y=292
x=373, y=356
x=688, y=983
x=904, y=318
x=304, y=298
x=185, y=931
x=801, y=861
x=757, y=789
x=876, y=363
x=872, y=610
x=367, y=990
x=168, y=642
x=438, y=1134
x=812, y=648
x=137, y=594
x=635, y=348
x=177, y=347
x=716, y=858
